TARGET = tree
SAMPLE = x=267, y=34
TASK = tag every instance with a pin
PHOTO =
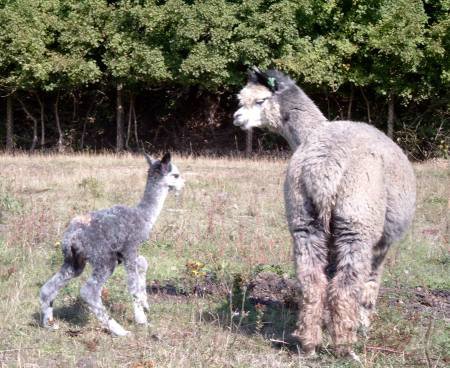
x=391, y=37
x=76, y=30
x=132, y=56
x=23, y=64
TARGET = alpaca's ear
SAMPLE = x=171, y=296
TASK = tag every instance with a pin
x=166, y=158
x=151, y=161
x=165, y=163
x=257, y=76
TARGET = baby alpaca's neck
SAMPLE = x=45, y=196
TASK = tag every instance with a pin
x=152, y=201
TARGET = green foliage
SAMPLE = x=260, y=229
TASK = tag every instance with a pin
x=23, y=39
x=49, y=44
x=55, y=44
x=399, y=48
x=276, y=269
x=132, y=53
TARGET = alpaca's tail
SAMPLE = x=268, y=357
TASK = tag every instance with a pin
x=73, y=252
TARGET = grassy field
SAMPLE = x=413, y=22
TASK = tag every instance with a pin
x=207, y=245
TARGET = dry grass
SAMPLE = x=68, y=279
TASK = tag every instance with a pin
x=230, y=217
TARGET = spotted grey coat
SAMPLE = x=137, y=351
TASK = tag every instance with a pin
x=110, y=236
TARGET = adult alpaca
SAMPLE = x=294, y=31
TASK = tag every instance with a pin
x=349, y=194
x=107, y=237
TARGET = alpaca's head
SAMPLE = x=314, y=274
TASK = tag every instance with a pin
x=262, y=100
x=164, y=172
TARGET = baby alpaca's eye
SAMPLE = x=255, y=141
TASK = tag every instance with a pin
x=176, y=176
x=260, y=102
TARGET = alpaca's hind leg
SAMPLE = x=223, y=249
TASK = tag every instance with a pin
x=372, y=285
x=357, y=227
x=136, y=268
x=91, y=294
x=50, y=289
x=310, y=259
x=353, y=243
x=369, y=296
x=344, y=295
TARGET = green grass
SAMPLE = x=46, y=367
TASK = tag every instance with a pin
x=230, y=220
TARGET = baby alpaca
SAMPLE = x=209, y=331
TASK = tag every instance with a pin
x=107, y=237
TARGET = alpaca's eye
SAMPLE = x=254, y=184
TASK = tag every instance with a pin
x=260, y=102
x=176, y=176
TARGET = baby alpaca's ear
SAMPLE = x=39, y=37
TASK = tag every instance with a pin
x=165, y=163
x=166, y=158
x=151, y=161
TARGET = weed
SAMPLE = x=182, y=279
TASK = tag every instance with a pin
x=8, y=202
x=92, y=186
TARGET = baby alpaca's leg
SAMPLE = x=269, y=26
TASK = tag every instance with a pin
x=91, y=294
x=50, y=290
x=142, y=267
x=135, y=267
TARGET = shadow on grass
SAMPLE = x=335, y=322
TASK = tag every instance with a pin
x=75, y=314
x=275, y=322
x=258, y=309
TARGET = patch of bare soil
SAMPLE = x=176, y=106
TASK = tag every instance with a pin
x=419, y=299
x=269, y=288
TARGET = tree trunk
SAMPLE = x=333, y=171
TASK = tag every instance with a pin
x=214, y=104
x=132, y=120
x=249, y=142
x=350, y=103
x=35, y=125
x=119, y=119
x=9, y=124
x=86, y=120
x=136, y=137
x=369, y=119
x=130, y=111
x=75, y=107
x=60, y=144
x=391, y=115
x=41, y=105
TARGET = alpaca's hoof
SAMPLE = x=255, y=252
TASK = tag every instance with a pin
x=310, y=353
x=50, y=325
x=117, y=329
x=364, y=322
x=364, y=331
x=347, y=352
x=47, y=319
x=139, y=315
x=142, y=320
x=353, y=356
x=144, y=325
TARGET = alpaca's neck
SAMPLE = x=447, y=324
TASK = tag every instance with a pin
x=152, y=201
x=302, y=117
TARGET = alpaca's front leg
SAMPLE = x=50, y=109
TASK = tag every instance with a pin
x=136, y=270
x=142, y=266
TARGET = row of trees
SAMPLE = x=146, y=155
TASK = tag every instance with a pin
x=373, y=56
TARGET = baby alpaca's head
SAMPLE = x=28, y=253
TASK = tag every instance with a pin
x=165, y=172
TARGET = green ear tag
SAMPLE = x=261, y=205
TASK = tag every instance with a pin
x=271, y=82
